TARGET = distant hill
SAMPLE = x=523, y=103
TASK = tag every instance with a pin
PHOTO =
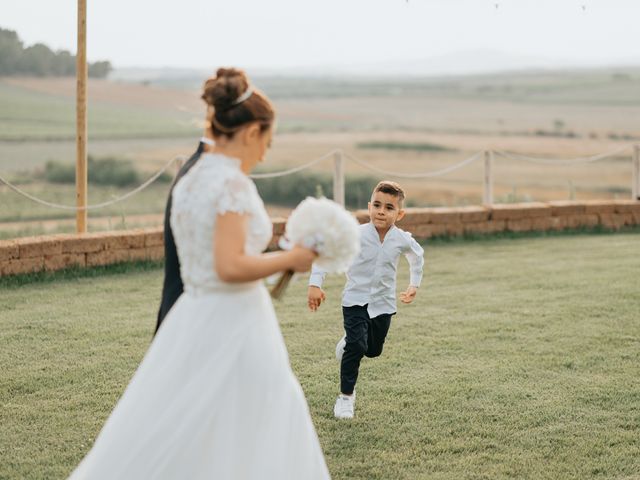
x=473, y=62
x=40, y=61
x=580, y=86
x=481, y=62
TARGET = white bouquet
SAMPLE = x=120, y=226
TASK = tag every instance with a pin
x=326, y=227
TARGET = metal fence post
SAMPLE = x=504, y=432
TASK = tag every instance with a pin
x=487, y=198
x=338, y=178
x=635, y=182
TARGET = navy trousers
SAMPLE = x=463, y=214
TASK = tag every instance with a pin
x=365, y=338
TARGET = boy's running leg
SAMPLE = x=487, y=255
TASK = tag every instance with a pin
x=376, y=334
x=340, y=348
x=356, y=326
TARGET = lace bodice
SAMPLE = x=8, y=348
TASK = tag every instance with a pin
x=214, y=185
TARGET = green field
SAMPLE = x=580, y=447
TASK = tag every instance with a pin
x=404, y=125
x=36, y=116
x=16, y=208
x=518, y=360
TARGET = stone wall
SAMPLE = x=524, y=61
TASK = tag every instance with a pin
x=524, y=217
x=56, y=252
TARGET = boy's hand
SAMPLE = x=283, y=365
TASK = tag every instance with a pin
x=409, y=295
x=315, y=296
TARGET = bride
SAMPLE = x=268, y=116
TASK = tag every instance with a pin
x=214, y=396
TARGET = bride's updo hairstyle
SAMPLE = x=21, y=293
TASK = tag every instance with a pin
x=234, y=103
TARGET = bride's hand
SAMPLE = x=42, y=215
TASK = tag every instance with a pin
x=301, y=258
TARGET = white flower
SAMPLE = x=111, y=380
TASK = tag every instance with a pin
x=326, y=227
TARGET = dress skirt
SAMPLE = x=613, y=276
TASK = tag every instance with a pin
x=213, y=398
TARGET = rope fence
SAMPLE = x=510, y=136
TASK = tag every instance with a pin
x=295, y=169
x=437, y=173
x=558, y=161
x=138, y=189
x=339, y=158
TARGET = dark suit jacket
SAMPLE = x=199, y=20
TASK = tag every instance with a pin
x=173, y=287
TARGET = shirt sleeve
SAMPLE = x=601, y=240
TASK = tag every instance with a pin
x=236, y=196
x=415, y=257
x=317, y=277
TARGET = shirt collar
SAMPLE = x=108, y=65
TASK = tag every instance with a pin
x=374, y=231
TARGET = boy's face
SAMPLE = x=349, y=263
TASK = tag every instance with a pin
x=384, y=210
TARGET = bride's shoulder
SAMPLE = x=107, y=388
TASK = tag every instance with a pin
x=238, y=194
x=217, y=181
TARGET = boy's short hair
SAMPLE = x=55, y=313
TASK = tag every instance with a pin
x=391, y=188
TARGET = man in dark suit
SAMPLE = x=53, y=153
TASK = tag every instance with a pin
x=172, y=286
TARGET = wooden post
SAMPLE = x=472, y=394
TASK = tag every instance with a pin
x=338, y=178
x=487, y=198
x=81, y=119
x=635, y=185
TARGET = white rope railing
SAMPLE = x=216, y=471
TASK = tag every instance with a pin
x=98, y=205
x=338, y=156
x=559, y=161
x=295, y=169
x=434, y=174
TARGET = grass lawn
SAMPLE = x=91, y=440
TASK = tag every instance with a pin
x=520, y=359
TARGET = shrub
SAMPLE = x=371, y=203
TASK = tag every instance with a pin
x=112, y=171
x=56, y=172
x=292, y=189
x=287, y=191
x=104, y=171
x=416, y=147
x=165, y=177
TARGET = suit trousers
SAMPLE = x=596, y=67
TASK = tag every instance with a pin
x=365, y=337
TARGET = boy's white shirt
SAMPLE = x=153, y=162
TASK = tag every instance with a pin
x=371, y=278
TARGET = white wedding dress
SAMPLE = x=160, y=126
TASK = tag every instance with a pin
x=214, y=396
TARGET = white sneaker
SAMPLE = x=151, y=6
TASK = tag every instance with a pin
x=340, y=348
x=344, y=407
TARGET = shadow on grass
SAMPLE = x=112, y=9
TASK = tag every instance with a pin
x=73, y=273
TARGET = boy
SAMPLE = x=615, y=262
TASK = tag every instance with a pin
x=369, y=296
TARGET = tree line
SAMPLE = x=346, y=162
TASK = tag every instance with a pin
x=40, y=61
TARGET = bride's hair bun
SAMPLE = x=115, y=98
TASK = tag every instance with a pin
x=225, y=114
x=224, y=89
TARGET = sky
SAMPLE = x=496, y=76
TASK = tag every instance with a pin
x=347, y=34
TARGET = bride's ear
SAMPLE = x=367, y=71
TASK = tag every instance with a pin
x=251, y=133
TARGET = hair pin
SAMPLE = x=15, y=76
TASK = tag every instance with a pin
x=244, y=96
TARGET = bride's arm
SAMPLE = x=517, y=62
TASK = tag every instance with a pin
x=233, y=265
